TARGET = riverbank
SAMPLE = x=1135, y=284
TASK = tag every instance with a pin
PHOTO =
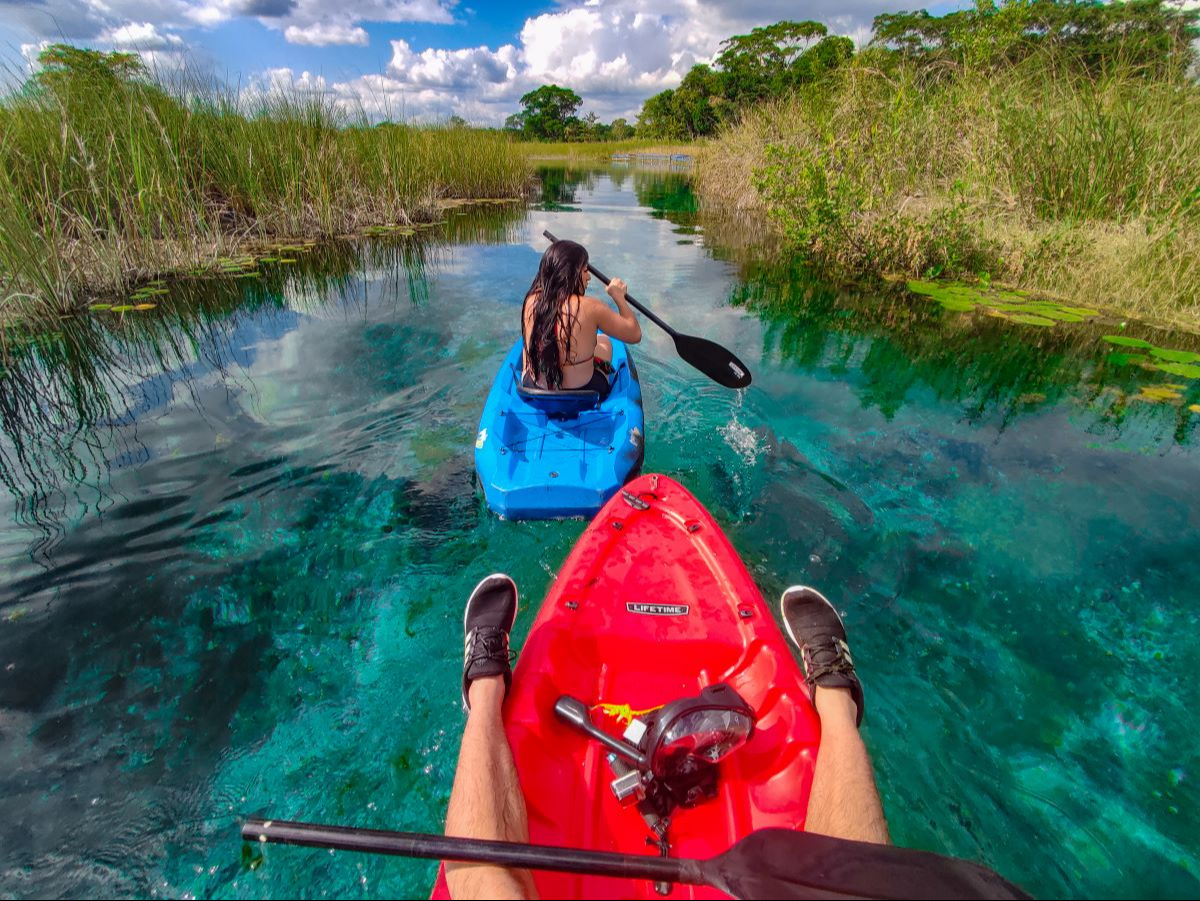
x=1035, y=174
x=107, y=182
x=604, y=150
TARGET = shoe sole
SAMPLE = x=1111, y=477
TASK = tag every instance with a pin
x=516, y=598
x=787, y=626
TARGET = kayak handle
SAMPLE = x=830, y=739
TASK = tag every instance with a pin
x=574, y=713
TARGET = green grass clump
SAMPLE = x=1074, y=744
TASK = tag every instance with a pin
x=107, y=180
x=1038, y=173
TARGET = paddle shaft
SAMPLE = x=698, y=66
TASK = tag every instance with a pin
x=629, y=297
x=444, y=847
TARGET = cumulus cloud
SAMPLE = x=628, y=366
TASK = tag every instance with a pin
x=615, y=53
x=453, y=68
x=141, y=36
x=302, y=21
x=322, y=34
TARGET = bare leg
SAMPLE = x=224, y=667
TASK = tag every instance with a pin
x=486, y=800
x=844, y=802
x=603, y=348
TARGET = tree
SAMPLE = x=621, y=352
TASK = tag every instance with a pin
x=659, y=118
x=1153, y=34
x=768, y=62
x=761, y=64
x=621, y=130
x=457, y=122
x=548, y=111
x=64, y=68
x=694, y=99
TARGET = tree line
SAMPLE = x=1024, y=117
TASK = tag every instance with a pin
x=775, y=60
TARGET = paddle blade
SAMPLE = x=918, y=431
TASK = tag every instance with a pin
x=782, y=863
x=715, y=361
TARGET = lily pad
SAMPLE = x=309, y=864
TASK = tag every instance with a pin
x=123, y=308
x=957, y=304
x=1195, y=408
x=1175, y=356
x=1123, y=359
x=100, y=306
x=286, y=260
x=1123, y=341
x=1055, y=313
x=1079, y=311
x=145, y=306
x=1187, y=370
x=1030, y=319
x=919, y=287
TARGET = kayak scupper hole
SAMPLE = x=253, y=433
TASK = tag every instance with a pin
x=745, y=612
x=692, y=525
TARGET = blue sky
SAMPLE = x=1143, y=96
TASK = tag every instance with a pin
x=425, y=59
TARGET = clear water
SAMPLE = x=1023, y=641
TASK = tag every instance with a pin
x=239, y=533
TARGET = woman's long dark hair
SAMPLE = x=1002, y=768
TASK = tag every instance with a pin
x=558, y=278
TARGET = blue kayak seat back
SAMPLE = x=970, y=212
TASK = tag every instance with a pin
x=559, y=404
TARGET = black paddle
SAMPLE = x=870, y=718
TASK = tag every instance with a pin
x=715, y=361
x=769, y=863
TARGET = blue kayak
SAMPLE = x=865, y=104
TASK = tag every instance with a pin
x=555, y=454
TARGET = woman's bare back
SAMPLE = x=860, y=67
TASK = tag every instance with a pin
x=577, y=371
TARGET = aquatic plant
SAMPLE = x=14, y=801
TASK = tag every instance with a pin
x=108, y=178
x=1037, y=173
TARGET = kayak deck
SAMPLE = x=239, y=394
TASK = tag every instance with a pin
x=613, y=630
x=535, y=463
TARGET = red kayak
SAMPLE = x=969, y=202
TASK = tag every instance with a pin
x=653, y=607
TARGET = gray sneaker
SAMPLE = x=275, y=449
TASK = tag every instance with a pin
x=816, y=628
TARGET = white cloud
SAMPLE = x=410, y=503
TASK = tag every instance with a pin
x=475, y=66
x=614, y=53
x=321, y=34
x=140, y=36
x=308, y=20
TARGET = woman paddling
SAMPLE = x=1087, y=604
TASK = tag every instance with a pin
x=561, y=325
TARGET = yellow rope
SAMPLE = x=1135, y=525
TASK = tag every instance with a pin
x=623, y=713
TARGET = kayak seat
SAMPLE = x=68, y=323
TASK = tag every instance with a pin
x=558, y=404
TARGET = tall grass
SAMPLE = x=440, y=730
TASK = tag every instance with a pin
x=104, y=183
x=1035, y=173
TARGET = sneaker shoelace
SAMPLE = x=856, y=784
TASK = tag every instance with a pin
x=489, y=643
x=830, y=656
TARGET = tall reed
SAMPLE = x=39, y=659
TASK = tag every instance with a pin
x=104, y=182
x=1038, y=173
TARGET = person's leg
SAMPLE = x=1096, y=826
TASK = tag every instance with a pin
x=844, y=802
x=486, y=801
x=603, y=348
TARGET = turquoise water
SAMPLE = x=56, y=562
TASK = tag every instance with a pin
x=239, y=533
